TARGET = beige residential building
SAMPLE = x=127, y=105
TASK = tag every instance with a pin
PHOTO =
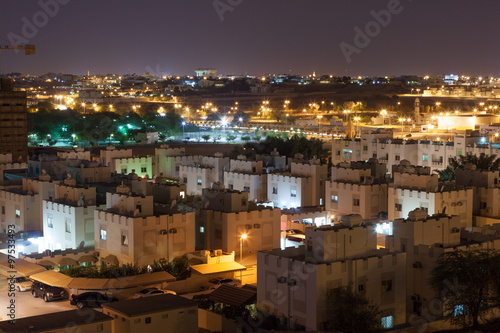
x=357, y=188
x=68, y=217
x=293, y=284
x=247, y=176
x=163, y=313
x=318, y=174
x=285, y=190
x=416, y=187
x=486, y=189
x=131, y=231
x=88, y=172
x=420, y=231
x=142, y=166
x=228, y=215
x=108, y=156
x=164, y=163
x=22, y=206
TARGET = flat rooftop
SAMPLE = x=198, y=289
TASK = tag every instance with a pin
x=145, y=305
x=54, y=321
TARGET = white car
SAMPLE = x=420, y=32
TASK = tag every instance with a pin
x=152, y=292
x=217, y=282
x=23, y=284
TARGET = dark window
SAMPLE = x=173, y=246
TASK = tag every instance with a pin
x=398, y=207
x=361, y=287
x=355, y=202
x=148, y=320
x=387, y=285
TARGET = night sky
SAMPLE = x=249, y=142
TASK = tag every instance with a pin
x=426, y=37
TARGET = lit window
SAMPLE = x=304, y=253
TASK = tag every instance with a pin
x=199, y=181
x=458, y=310
x=103, y=234
x=335, y=198
x=293, y=193
x=425, y=158
x=202, y=229
x=387, y=322
x=67, y=225
x=50, y=222
x=124, y=170
x=18, y=213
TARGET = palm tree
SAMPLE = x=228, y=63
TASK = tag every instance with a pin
x=481, y=162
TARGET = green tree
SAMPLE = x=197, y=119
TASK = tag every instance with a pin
x=467, y=282
x=351, y=312
x=245, y=138
x=205, y=137
x=231, y=138
x=481, y=162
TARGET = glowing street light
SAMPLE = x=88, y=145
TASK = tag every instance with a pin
x=183, y=125
x=383, y=113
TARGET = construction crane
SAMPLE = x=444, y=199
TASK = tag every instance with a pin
x=28, y=50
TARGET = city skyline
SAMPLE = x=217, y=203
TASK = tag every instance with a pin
x=242, y=37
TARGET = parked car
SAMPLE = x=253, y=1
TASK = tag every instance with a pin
x=295, y=235
x=90, y=299
x=152, y=292
x=217, y=282
x=48, y=293
x=23, y=284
